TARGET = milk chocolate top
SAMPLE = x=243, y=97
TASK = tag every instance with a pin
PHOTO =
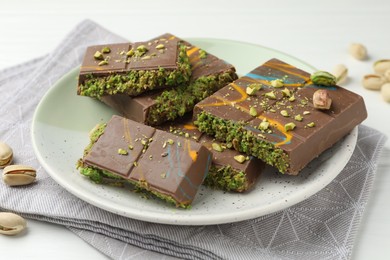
x=316, y=131
x=158, y=161
x=119, y=61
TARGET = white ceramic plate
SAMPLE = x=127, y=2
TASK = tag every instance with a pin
x=60, y=129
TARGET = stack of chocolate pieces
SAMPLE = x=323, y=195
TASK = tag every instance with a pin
x=238, y=125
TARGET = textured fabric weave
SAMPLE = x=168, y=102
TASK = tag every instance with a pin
x=321, y=227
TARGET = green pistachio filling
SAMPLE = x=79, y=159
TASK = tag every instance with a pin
x=226, y=178
x=176, y=102
x=242, y=140
x=136, y=82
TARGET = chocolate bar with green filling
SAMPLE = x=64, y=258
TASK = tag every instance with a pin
x=269, y=114
x=169, y=166
x=230, y=170
x=209, y=74
x=133, y=68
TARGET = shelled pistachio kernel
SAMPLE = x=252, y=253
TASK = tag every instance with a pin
x=277, y=83
x=380, y=66
x=6, y=155
x=17, y=175
x=323, y=78
x=373, y=81
x=321, y=99
x=298, y=117
x=340, y=71
x=385, y=92
x=11, y=224
x=122, y=151
x=358, y=51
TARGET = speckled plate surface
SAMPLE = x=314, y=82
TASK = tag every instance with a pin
x=60, y=129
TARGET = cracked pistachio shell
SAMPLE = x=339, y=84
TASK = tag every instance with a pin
x=358, y=51
x=11, y=224
x=340, y=71
x=385, y=92
x=387, y=75
x=381, y=66
x=323, y=78
x=6, y=155
x=373, y=81
x=17, y=175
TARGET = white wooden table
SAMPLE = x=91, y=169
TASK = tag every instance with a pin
x=318, y=32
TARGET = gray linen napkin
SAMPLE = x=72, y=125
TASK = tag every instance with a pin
x=322, y=227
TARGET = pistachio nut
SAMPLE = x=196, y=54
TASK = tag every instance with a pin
x=6, y=155
x=358, y=51
x=386, y=75
x=380, y=66
x=385, y=91
x=373, y=81
x=16, y=175
x=321, y=99
x=11, y=224
x=340, y=71
x=323, y=78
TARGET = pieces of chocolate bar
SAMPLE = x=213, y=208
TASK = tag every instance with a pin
x=169, y=166
x=133, y=69
x=269, y=114
x=230, y=170
x=209, y=74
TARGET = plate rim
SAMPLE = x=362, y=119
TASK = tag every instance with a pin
x=205, y=219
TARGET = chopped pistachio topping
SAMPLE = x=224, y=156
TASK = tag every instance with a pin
x=306, y=112
x=135, y=164
x=130, y=53
x=106, y=50
x=284, y=113
x=142, y=48
x=311, y=124
x=103, y=62
x=202, y=54
x=131, y=147
x=122, y=151
x=292, y=98
x=170, y=141
x=98, y=55
x=251, y=89
x=146, y=57
x=277, y=83
x=163, y=175
x=286, y=92
x=253, y=111
x=240, y=158
x=217, y=147
x=264, y=125
x=298, y=117
x=289, y=126
x=186, y=135
x=270, y=95
x=160, y=46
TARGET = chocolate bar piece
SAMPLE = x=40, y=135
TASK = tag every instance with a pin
x=133, y=69
x=226, y=173
x=168, y=166
x=209, y=74
x=269, y=114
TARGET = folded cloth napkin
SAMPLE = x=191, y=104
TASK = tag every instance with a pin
x=322, y=227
